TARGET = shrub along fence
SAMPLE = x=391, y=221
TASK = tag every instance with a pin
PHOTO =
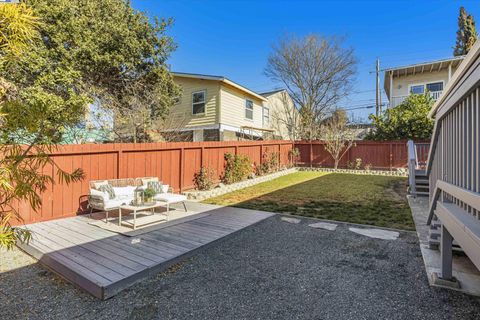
x=380, y=155
x=176, y=164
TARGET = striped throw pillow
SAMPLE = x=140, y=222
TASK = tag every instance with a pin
x=108, y=189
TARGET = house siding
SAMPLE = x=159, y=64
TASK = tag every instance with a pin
x=181, y=113
x=233, y=108
x=282, y=111
x=402, y=84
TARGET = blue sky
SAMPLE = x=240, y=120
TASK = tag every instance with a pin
x=234, y=38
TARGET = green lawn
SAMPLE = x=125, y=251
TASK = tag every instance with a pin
x=364, y=199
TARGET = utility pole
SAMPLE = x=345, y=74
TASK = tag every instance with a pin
x=378, y=96
x=378, y=90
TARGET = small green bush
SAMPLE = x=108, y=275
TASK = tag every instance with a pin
x=270, y=163
x=237, y=168
x=355, y=165
x=204, y=179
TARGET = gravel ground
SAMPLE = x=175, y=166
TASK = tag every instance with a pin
x=272, y=270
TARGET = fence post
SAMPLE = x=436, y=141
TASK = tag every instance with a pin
x=119, y=161
x=261, y=152
x=391, y=156
x=291, y=159
x=182, y=164
x=311, y=154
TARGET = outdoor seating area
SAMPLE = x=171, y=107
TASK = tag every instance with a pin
x=103, y=262
x=136, y=199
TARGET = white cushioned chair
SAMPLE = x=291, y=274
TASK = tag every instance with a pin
x=124, y=192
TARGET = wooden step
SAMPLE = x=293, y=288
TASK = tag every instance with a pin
x=422, y=193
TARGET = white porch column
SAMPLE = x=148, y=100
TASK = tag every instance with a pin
x=449, y=72
x=391, y=89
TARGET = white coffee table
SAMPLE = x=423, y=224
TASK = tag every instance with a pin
x=138, y=209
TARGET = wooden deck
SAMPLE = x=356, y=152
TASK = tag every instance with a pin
x=104, y=263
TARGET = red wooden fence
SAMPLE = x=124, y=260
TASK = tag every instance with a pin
x=174, y=163
x=384, y=155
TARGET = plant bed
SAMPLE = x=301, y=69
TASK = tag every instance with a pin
x=226, y=188
x=399, y=172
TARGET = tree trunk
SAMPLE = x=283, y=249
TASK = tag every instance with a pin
x=336, y=164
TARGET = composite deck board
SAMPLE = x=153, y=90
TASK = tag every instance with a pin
x=205, y=234
x=103, y=262
x=212, y=225
x=127, y=260
x=113, y=271
x=194, y=239
x=48, y=247
x=157, y=253
x=130, y=253
x=175, y=240
x=202, y=229
x=119, y=243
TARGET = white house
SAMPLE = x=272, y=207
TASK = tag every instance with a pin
x=419, y=78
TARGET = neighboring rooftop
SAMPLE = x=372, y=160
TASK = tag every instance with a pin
x=220, y=79
x=269, y=93
x=420, y=68
x=423, y=67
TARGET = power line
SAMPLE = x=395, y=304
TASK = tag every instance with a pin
x=360, y=107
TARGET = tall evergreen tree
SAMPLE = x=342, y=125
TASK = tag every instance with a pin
x=466, y=34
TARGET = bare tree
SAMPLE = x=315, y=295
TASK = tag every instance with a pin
x=338, y=135
x=317, y=72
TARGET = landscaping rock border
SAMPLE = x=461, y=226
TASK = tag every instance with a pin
x=395, y=173
x=222, y=189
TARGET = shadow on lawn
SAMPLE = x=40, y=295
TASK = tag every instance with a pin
x=373, y=200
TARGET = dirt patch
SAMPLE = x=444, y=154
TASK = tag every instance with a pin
x=398, y=191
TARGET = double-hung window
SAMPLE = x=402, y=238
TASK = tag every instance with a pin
x=266, y=116
x=198, y=102
x=417, y=89
x=249, y=109
x=430, y=87
x=435, y=86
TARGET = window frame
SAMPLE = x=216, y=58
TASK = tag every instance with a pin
x=204, y=102
x=264, y=123
x=424, y=84
x=439, y=81
x=416, y=85
x=248, y=109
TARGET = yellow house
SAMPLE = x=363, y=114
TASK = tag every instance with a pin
x=419, y=78
x=214, y=108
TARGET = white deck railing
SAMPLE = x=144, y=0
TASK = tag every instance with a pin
x=412, y=166
x=396, y=100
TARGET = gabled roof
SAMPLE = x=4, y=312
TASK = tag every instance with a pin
x=220, y=79
x=269, y=93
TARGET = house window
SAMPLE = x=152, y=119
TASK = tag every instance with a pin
x=266, y=116
x=435, y=86
x=418, y=89
x=198, y=102
x=249, y=109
